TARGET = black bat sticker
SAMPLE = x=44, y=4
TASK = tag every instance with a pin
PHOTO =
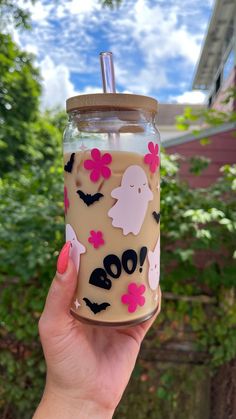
x=69, y=165
x=88, y=198
x=95, y=307
x=156, y=216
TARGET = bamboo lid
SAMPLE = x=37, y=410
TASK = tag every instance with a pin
x=111, y=101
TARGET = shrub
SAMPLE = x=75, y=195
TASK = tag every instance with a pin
x=31, y=215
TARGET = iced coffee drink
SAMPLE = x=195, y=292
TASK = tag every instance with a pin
x=112, y=207
x=113, y=222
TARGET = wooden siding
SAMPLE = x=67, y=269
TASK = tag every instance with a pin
x=221, y=150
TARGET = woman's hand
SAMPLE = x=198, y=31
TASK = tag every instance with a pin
x=88, y=368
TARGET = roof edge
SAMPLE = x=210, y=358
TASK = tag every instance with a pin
x=204, y=133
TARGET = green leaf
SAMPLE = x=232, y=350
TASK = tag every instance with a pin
x=162, y=393
x=205, y=141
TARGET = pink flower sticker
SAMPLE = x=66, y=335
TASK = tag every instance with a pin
x=66, y=199
x=134, y=297
x=96, y=239
x=98, y=165
x=152, y=158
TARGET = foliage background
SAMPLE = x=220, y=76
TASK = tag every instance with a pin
x=31, y=217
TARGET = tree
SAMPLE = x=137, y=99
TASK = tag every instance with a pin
x=111, y=3
x=31, y=216
x=208, y=117
x=19, y=101
x=31, y=213
x=12, y=13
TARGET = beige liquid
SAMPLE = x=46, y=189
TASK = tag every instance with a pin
x=95, y=217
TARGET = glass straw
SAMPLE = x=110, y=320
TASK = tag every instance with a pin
x=108, y=75
x=109, y=86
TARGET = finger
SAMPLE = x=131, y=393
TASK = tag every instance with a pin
x=57, y=307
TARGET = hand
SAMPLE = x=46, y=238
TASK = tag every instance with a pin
x=88, y=367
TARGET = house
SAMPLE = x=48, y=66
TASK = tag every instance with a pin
x=215, y=73
x=166, y=119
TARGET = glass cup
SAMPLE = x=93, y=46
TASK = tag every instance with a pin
x=112, y=206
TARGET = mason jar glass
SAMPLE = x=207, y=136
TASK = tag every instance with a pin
x=112, y=206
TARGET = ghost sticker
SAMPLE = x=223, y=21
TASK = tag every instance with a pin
x=154, y=266
x=77, y=248
x=132, y=197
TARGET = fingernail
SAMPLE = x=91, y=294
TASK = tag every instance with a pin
x=63, y=258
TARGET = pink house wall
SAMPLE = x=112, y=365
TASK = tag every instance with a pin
x=221, y=150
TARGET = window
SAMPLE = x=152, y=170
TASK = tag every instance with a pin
x=209, y=101
x=228, y=65
x=218, y=83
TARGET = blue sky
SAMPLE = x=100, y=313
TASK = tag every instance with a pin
x=156, y=45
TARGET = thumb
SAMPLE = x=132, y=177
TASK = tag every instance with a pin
x=56, y=313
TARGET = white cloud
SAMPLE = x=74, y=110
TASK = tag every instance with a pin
x=192, y=97
x=156, y=36
x=155, y=44
x=14, y=33
x=89, y=90
x=141, y=80
x=61, y=32
x=160, y=35
x=57, y=86
x=157, y=32
x=32, y=48
x=81, y=7
x=39, y=11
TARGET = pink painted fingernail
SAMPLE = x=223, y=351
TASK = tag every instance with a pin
x=63, y=258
